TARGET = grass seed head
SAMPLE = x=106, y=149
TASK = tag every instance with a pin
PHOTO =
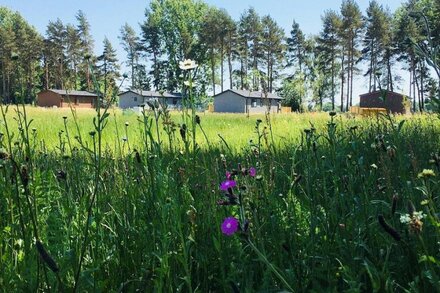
x=390, y=230
x=46, y=257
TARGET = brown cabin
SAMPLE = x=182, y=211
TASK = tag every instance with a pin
x=63, y=98
x=393, y=102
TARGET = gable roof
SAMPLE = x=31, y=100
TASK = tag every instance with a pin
x=73, y=93
x=252, y=94
x=154, y=94
x=379, y=92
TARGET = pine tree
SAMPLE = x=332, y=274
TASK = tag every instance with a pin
x=73, y=55
x=296, y=57
x=87, y=42
x=377, y=46
x=251, y=30
x=109, y=69
x=130, y=43
x=328, y=45
x=152, y=45
x=273, y=48
x=55, y=57
x=352, y=24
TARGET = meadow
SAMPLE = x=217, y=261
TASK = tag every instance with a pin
x=302, y=202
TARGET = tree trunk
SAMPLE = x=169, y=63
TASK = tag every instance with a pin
x=347, y=101
x=230, y=70
x=371, y=67
x=333, y=80
x=212, y=69
x=342, y=80
x=221, y=63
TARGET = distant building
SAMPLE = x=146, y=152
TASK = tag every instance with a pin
x=64, y=98
x=131, y=98
x=243, y=101
x=393, y=102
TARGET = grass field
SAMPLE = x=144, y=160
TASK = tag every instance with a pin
x=313, y=203
x=236, y=129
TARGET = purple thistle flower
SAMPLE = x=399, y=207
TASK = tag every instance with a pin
x=230, y=226
x=252, y=171
x=227, y=184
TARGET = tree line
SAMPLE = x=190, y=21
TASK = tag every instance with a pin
x=252, y=53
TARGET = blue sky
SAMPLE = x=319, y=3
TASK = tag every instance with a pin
x=107, y=16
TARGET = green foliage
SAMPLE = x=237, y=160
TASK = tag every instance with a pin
x=155, y=221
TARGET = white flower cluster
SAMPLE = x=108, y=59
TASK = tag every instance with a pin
x=407, y=218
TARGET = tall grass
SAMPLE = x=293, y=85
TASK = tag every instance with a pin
x=322, y=213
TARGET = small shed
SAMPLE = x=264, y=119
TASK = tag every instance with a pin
x=393, y=102
x=243, y=101
x=65, y=98
x=132, y=98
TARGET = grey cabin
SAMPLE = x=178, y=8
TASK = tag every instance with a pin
x=132, y=99
x=243, y=101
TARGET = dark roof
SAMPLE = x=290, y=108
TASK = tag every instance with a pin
x=154, y=94
x=252, y=94
x=379, y=92
x=73, y=93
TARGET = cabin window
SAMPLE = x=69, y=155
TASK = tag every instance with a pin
x=254, y=103
x=174, y=101
x=135, y=99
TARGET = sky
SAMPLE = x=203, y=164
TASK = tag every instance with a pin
x=106, y=17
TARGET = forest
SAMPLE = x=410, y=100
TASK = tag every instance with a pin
x=312, y=72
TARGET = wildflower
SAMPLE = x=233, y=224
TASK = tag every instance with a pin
x=187, y=64
x=414, y=221
x=229, y=226
x=332, y=113
x=252, y=172
x=228, y=175
x=426, y=173
x=374, y=166
x=189, y=84
x=227, y=184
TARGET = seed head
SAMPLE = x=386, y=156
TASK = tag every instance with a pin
x=46, y=257
x=3, y=155
x=24, y=175
x=183, y=131
x=390, y=230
